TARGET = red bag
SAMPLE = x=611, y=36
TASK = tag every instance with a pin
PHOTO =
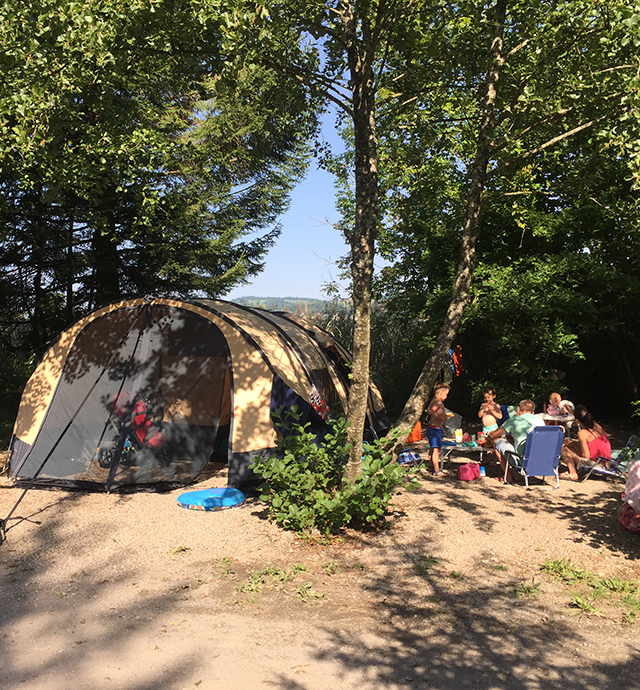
x=469, y=472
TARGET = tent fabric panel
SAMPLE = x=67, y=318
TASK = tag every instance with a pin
x=191, y=398
x=240, y=465
x=341, y=357
x=312, y=354
x=81, y=429
x=278, y=352
x=39, y=390
x=251, y=378
x=304, y=350
x=18, y=451
x=331, y=348
x=326, y=378
x=77, y=416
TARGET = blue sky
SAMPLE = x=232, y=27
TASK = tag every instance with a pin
x=306, y=252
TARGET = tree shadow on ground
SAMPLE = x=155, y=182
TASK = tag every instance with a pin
x=438, y=628
x=84, y=626
x=591, y=509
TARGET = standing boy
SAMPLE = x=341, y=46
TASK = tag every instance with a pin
x=437, y=416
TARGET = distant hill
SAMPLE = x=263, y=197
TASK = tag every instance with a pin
x=300, y=305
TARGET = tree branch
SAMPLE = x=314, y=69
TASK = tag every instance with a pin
x=551, y=142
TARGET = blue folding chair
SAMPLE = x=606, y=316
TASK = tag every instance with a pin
x=541, y=456
x=616, y=467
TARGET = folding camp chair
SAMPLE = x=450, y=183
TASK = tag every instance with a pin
x=616, y=467
x=541, y=455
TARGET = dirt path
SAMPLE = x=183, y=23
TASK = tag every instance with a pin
x=133, y=592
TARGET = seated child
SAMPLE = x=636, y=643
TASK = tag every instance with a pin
x=553, y=406
x=490, y=411
x=557, y=407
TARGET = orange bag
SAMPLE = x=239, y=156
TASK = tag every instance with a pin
x=416, y=434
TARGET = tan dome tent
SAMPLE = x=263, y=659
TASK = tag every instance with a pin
x=142, y=393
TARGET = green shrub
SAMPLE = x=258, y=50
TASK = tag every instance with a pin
x=304, y=484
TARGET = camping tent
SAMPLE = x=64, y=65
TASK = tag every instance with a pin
x=143, y=392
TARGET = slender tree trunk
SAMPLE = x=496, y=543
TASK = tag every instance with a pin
x=363, y=238
x=420, y=395
x=70, y=277
x=104, y=246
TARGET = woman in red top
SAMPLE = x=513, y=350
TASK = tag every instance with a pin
x=592, y=443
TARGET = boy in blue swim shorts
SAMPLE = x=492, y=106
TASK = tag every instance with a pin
x=437, y=416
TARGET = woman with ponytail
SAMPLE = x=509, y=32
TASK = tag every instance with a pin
x=592, y=443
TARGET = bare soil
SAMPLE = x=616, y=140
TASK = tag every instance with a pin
x=134, y=592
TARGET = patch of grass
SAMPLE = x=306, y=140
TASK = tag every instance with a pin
x=424, y=564
x=271, y=576
x=583, y=605
x=306, y=593
x=181, y=549
x=226, y=567
x=634, y=608
x=529, y=591
x=500, y=567
x=359, y=566
x=455, y=575
x=615, y=584
x=330, y=568
x=253, y=583
x=564, y=570
x=619, y=592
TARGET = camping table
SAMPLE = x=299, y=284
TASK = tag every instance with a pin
x=449, y=446
x=558, y=420
x=422, y=447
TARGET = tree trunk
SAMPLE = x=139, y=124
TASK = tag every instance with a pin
x=420, y=395
x=106, y=276
x=363, y=238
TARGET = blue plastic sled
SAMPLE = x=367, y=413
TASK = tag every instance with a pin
x=211, y=499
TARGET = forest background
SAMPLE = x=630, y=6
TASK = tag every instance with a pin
x=149, y=147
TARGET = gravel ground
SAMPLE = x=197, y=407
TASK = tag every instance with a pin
x=133, y=592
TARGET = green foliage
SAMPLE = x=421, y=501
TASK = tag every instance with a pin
x=142, y=152
x=304, y=484
x=307, y=594
x=557, y=250
x=556, y=287
x=226, y=567
x=634, y=608
x=137, y=155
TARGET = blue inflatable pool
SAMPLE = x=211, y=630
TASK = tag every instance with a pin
x=211, y=499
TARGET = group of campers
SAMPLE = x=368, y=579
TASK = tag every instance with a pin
x=507, y=434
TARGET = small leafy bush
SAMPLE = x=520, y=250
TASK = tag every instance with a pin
x=304, y=484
